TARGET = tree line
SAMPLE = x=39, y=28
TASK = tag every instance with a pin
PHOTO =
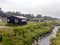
x=29, y=16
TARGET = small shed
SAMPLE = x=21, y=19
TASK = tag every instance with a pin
x=21, y=20
x=37, y=19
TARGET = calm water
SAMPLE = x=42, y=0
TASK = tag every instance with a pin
x=46, y=40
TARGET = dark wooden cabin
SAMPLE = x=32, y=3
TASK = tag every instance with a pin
x=20, y=20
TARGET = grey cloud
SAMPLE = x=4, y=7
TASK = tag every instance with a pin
x=3, y=1
x=49, y=7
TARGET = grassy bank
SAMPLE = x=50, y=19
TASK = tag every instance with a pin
x=24, y=35
x=56, y=41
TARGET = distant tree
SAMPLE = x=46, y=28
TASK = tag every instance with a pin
x=49, y=18
x=45, y=17
x=29, y=16
x=16, y=13
x=19, y=14
x=2, y=13
x=13, y=13
x=39, y=16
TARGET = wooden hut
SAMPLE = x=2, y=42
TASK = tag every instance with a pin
x=21, y=20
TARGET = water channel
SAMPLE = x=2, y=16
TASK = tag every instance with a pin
x=46, y=40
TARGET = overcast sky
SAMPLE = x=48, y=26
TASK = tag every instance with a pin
x=43, y=7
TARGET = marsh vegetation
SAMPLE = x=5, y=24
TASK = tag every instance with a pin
x=24, y=35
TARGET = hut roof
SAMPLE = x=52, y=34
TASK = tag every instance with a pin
x=20, y=17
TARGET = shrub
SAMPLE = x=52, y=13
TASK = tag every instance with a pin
x=0, y=38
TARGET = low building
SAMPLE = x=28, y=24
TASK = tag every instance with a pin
x=37, y=19
x=17, y=20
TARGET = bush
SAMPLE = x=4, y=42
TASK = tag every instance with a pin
x=8, y=42
x=0, y=38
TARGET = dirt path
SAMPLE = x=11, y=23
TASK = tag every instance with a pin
x=4, y=27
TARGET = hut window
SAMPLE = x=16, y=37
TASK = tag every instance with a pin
x=23, y=19
x=8, y=20
x=16, y=20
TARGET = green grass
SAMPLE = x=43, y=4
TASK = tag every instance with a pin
x=24, y=35
x=2, y=23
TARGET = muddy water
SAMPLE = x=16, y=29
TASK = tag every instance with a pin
x=46, y=40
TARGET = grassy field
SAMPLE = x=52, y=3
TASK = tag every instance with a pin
x=24, y=35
